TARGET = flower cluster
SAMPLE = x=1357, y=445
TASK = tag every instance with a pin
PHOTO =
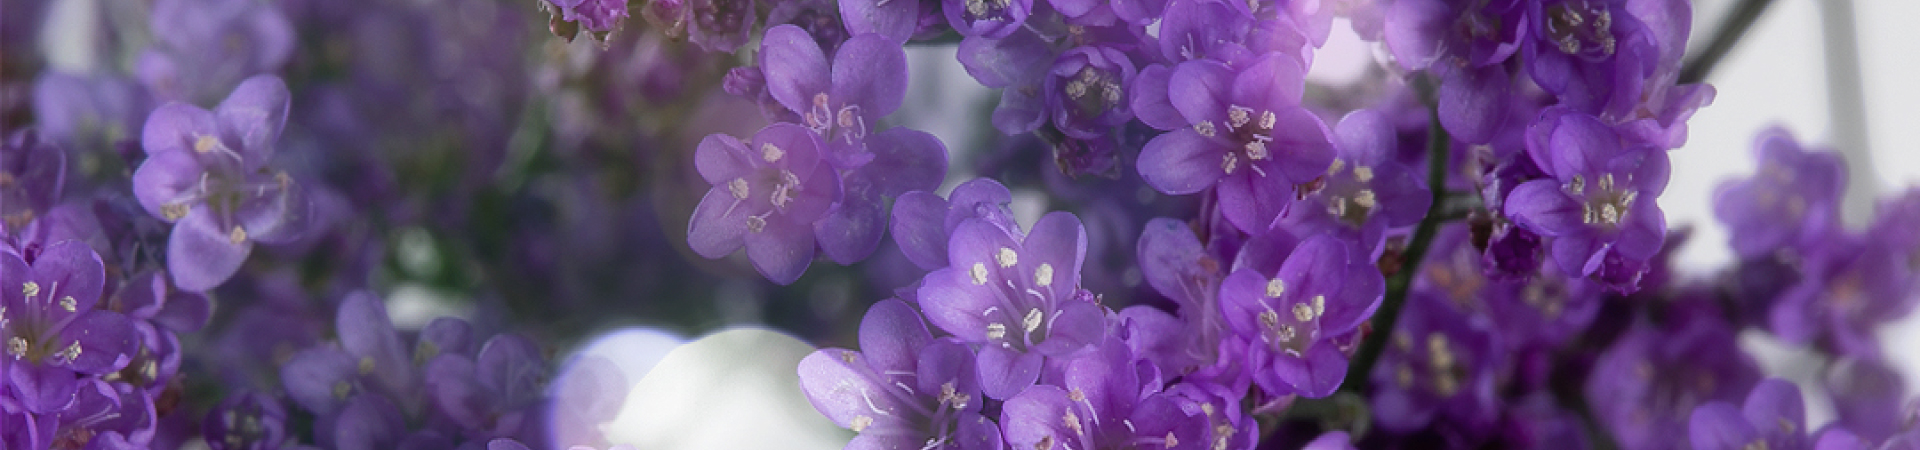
x=357, y=224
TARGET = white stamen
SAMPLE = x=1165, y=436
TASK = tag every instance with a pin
x=1043, y=276
x=979, y=273
x=771, y=153
x=1006, y=257
x=1275, y=287
x=1033, y=319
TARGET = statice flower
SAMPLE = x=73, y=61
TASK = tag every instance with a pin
x=203, y=48
x=766, y=194
x=1594, y=56
x=991, y=19
x=903, y=389
x=1438, y=371
x=1773, y=417
x=718, y=25
x=247, y=420
x=1366, y=192
x=1647, y=383
x=1292, y=312
x=1106, y=401
x=842, y=101
x=1867, y=396
x=1240, y=129
x=1599, y=204
x=1792, y=183
x=596, y=16
x=923, y=222
x=1465, y=45
x=1178, y=266
x=57, y=343
x=1087, y=91
x=490, y=393
x=206, y=172
x=1017, y=296
x=32, y=175
x=1850, y=284
x=897, y=20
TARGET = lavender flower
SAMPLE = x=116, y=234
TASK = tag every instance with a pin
x=766, y=195
x=719, y=25
x=1018, y=296
x=491, y=393
x=206, y=172
x=904, y=389
x=1242, y=130
x=56, y=341
x=1599, y=204
x=1322, y=291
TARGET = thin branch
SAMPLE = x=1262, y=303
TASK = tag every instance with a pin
x=1438, y=143
x=1725, y=35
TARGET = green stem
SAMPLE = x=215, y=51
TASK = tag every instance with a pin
x=1731, y=28
x=1383, y=320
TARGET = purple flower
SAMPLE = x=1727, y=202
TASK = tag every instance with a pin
x=1849, y=285
x=898, y=20
x=1773, y=418
x=720, y=25
x=247, y=420
x=206, y=172
x=903, y=389
x=923, y=222
x=1438, y=370
x=1017, y=296
x=991, y=19
x=1464, y=45
x=105, y=415
x=1647, y=383
x=55, y=340
x=1178, y=266
x=490, y=393
x=1240, y=130
x=840, y=102
x=766, y=195
x=1598, y=207
x=1087, y=87
x=598, y=16
x=1224, y=31
x=202, y=48
x=32, y=173
x=370, y=360
x=1791, y=183
x=1322, y=291
x=1104, y=401
x=1867, y=396
x=840, y=99
x=1366, y=193
x=1593, y=55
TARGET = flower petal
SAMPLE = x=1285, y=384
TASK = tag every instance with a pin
x=200, y=255
x=1181, y=162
